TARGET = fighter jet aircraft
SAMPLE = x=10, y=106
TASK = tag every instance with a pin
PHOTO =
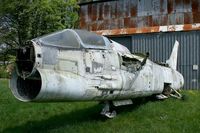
x=77, y=65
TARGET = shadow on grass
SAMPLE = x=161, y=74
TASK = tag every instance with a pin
x=74, y=118
x=137, y=103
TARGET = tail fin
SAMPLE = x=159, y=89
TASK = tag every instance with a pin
x=172, y=61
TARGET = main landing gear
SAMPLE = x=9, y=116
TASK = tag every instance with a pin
x=108, y=111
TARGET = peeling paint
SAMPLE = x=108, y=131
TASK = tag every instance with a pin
x=196, y=26
x=125, y=31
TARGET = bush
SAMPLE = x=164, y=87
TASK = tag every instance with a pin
x=3, y=73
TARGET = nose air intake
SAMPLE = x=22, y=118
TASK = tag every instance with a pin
x=26, y=89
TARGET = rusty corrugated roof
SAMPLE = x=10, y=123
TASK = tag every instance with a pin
x=92, y=1
x=141, y=16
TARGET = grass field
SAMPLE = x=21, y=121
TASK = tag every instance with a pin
x=145, y=116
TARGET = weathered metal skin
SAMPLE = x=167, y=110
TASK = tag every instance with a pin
x=94, y=69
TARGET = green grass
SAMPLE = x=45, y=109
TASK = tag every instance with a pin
x=145, y=116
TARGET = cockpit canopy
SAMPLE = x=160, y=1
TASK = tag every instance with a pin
x=69, y=38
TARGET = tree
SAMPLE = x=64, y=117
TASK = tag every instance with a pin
x=26, y=19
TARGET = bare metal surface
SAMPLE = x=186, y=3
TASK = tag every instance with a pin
x=109, y=73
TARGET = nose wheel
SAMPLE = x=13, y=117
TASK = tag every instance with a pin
x=108, y=111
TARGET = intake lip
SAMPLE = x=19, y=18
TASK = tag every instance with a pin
x=47, y=85
x=25, y=89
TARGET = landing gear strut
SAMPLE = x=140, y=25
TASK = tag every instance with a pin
x=176, y=94
x=108, y=111
x=169, y=91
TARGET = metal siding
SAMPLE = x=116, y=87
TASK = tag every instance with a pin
x=160, y=45
x=126, y=41
x=139, y=16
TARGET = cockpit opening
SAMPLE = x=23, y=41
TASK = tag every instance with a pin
x=64, y=38
x=25, y=60
x=73, y=39
x=130, y=64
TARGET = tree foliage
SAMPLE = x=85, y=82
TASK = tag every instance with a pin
x=26, y=19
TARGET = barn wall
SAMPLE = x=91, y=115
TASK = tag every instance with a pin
x=139, y=16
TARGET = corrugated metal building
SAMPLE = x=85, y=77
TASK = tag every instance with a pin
x=150, y=26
